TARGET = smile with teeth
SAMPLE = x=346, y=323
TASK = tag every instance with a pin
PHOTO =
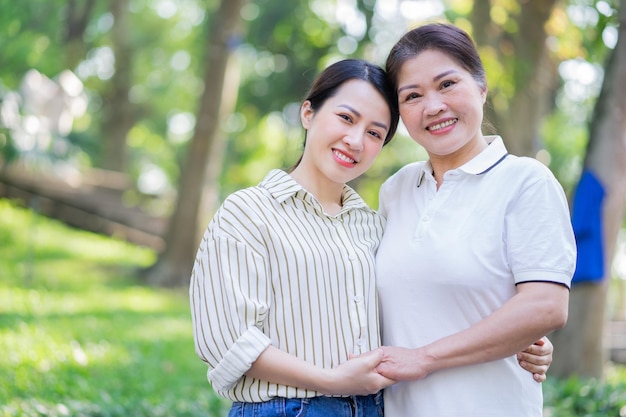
x=442, y=125
x=344, y=157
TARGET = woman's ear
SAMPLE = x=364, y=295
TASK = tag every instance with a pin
x=306, y=114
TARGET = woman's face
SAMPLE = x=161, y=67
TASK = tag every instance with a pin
x=441, y=105
x=346, y=134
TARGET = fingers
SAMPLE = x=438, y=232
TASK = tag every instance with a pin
x=534, y=358
x=547, y=343
x=538, y=371
x=373, y=357
x=540, y=348
x=537, y=358
x=378, y=352
x=538, y=367
x=358, y=376
x=535, y=364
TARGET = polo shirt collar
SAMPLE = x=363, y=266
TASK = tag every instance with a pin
x=480, y=164
x=282, y=186
x=488, y=158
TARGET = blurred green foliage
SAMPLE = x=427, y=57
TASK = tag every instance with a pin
x=280, y=53
x=576, y=397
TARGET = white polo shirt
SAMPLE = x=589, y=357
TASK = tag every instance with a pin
x=452, y=256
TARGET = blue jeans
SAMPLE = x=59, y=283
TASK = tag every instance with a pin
x=354, y=406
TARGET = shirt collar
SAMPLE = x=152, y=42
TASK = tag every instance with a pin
x=491, y=156
x=282, y=186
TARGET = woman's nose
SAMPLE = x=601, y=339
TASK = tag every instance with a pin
x=434, y=105
x=354, y=140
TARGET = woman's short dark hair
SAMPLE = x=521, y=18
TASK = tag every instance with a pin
x=443, y=37
x=334, y=76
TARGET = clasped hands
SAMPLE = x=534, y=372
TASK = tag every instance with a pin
x=370, y=372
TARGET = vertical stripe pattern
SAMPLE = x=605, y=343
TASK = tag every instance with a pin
x=273, y=268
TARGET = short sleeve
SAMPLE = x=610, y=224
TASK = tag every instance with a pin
x=539, y=239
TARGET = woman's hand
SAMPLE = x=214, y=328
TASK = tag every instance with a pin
x=358, y=376
x=403, y=364
x=537, y=358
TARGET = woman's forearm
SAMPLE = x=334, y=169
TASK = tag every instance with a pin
x=536, y=310
x=355, y=377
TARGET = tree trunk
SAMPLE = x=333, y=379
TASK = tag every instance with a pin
x=485, y=31
x=211, y=191
x=76, y=20
x=579, y=348
x=174, y=265
x=119, y=111
x=535, y=75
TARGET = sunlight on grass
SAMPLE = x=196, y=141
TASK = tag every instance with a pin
x=99, y=298
x=49, y=239
x=81, y=336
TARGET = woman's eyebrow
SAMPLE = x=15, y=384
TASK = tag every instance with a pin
x=355, y=111
x=435, y=79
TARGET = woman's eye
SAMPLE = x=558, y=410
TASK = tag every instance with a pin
x=412, y=96
x=345, y=117
x=375, y=134
x=447, y=84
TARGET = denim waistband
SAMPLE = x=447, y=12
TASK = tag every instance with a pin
x=322, y=406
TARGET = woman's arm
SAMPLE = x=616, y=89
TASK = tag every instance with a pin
x=357, y=376
x=537, y=309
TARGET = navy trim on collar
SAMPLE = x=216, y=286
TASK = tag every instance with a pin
x=491, y=167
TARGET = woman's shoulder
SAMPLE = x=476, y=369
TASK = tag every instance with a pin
x=241, y=215
x=248, y=200
x=527, y=166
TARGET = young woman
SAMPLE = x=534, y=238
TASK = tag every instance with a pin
x=478, y=250
x=282, y=291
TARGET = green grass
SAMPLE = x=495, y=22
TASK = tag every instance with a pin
x=80, y=335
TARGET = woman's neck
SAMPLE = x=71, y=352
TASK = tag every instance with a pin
x=444, y=163
x=328, y=193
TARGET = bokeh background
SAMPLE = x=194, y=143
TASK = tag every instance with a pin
x=124, y=124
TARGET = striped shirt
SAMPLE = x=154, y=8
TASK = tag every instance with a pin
x=274, y=269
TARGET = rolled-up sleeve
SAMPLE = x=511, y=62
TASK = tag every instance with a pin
x=229, y=303
x=238, y=359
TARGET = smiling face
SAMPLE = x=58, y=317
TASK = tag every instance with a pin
x=344, y=136
x=441, y=105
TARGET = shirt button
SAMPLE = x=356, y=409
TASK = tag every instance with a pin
x=358, y=298
x=360, y=342
x=425, y=219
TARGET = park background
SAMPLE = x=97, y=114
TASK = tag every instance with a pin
x=124, y=123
